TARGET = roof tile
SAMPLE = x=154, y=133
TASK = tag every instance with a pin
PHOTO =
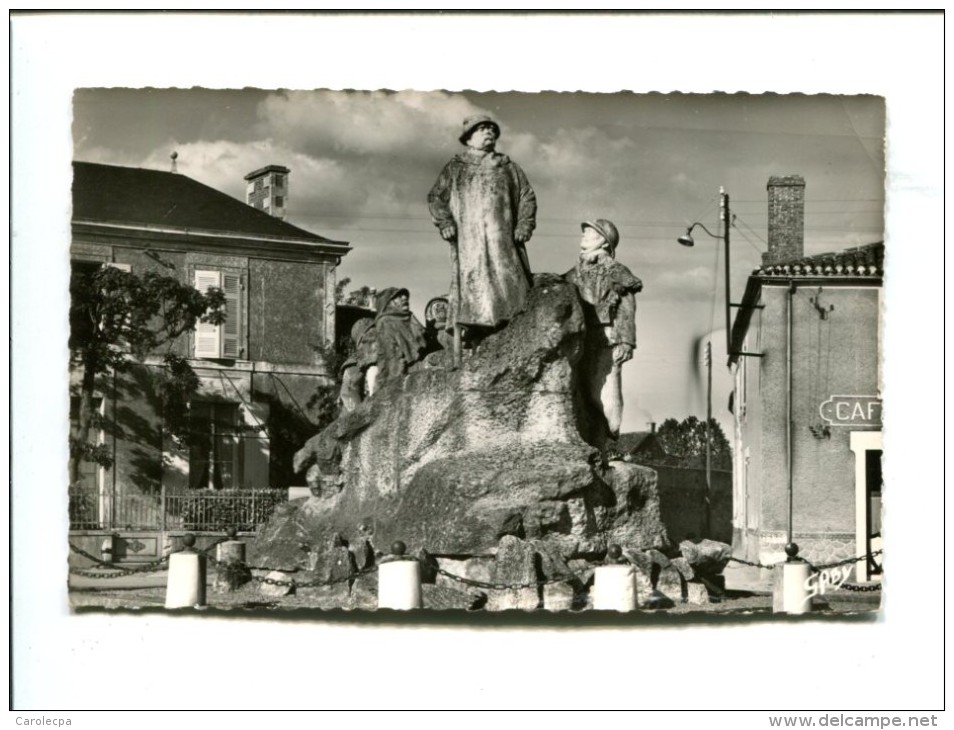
x=859, y=261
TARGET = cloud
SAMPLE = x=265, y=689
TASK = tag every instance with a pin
x=403, y=125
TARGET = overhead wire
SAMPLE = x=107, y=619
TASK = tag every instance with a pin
x=748, y=240
x=751, y=230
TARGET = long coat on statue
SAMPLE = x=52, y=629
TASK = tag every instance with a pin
x=489, y=200
x=399, y=336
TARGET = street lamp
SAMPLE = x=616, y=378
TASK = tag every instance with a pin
x=687, y=240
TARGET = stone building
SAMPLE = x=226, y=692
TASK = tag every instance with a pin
x=258, y=370
x=806, y=359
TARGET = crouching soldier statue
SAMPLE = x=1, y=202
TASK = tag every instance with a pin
x=607, y=289
x=384, y=348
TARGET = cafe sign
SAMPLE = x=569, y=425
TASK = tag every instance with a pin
x=855, y=411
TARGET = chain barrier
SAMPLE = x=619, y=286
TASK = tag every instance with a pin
x=486, y=585
x=205, y=550
x=119, y=572
x=162, y=564
x=311, y=583
x=848, y=561
x=751, y=564
x=873, y=588
x=151, y=567
x=292, y=582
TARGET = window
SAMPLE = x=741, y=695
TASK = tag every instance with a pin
x=279, y=201
x=215, y=455
x=221, y=341
x=278, y=181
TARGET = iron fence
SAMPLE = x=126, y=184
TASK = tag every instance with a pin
x=199, y=510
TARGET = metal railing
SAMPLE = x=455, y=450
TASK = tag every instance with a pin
x=200, y=510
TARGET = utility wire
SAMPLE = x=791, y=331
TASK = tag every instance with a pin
x=748, y=240
x=751, y=230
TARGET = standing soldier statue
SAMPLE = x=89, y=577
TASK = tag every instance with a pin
x=484, y=207
x=609, y=307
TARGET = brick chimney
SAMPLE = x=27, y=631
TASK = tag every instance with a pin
x=267, y=189
x=786, y=219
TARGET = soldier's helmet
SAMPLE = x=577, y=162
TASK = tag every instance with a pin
x=605, y=228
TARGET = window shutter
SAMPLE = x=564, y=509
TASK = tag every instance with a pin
x=231, y=330
x=207, y=336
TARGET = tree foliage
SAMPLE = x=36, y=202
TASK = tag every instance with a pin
x=686, y=441
x=362, y=297
x=118, y=318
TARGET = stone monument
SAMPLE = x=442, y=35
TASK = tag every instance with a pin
x=498, y=456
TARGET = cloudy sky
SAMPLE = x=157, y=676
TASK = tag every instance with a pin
x=362, y=164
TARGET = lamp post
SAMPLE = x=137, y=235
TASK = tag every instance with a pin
x=709, y=438
x=687, y=240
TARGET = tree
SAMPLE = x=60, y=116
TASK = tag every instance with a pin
x=363, y=297
x=686, y=440
x=117, y=318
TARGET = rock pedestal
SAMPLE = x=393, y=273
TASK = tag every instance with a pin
x=451, y=461
x=515, y=566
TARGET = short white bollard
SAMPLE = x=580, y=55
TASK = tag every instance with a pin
x=790, y=593
x=230, y=551
x=106, y=549
x=185, y=586
x=399, y=581
x=614, y=586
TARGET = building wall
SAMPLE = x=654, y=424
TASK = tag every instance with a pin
x=837, y=354
x=285, y=321
x=287, y=311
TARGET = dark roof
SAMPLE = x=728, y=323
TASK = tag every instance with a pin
x=628, y=442
x=861, y=261
x=109, y=193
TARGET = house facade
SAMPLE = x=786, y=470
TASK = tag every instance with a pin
x=806, y=360
x=259, y=371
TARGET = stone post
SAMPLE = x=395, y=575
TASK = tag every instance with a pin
x=106, y=549
x=230, y=572
x=399, y=580
x=790, y=593
x=185, y=585
x=614, y=584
